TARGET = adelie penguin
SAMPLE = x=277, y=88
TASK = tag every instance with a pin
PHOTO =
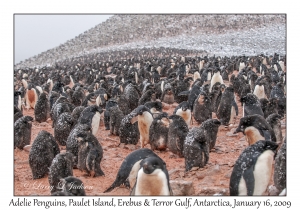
x=155, y=107
x=31, y=96
x=110, y=103
x=63, y=127
x=42, y=152
x=152, y=178
x=184, y=110
x=252, y=171
x=76, y=113
x=178, y=130
x=129, y=131
x=91, y=116
x=202, y=109
x=280, y=168
x=129, y=168
x=144, y=118
x=90, y=154
x=159, y=132
x=228, y=108
x=216, y=78
x=22, y=131
x=42, y=108
x=61, y=167
x=251, y=105
x=255, y=128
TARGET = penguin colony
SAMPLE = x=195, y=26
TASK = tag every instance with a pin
x=128, y=96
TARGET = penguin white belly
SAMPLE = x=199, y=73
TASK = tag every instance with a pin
x=19, y=102
x=216, y=78
x=186, y=115
x=263, y=171
x=152, y=184
x=253, y=135
x=144, y=123
x=232, y=115
x=196, y=76
x=243, y=109
x=95, y=123
x=25, y=84
x=259, y=91
x=242, y=187
x=209, y=76
x=133, y=173
x=98, y=100
x=242, y=65
x=71, y=85
x=39, y=89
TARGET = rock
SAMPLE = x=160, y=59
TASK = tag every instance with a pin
x=27, y=148
x=130, y=147
x=273, y=191
x=214, y=191
x=172, y=171
x=213, y=171
x=200, y=174
x=243, y=138
x=182, y=188
x=231, y=134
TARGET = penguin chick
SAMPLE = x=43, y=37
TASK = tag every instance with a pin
x=280, y=168
x=22, y=131
x=90, y=154
x=251, y=105
x=202, y=109
x=178, y=130
x=42, y=108
x=159, y=132
x=91, y=116
x=116, y=117
x=42, y=152
x=274, y=121
x=61, y=166
x=129, y=131
x=63, y=127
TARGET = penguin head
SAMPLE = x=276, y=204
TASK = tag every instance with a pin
x=28, y=119
x=141, y=109
x=185, y=106
x=150, y=164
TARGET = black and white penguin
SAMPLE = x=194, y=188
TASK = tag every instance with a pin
x=168, y=94
x=152, y=178
x=228, y=108
x=255, y=128
x=129, y=168
x=178, y=130
x=129, y=130
x=61, y=167
x=184, y=111
x=144, y=118
x=280, y=168
x=43, y=150
x=22, y=131
x=78, y=96
x=216, y=78
x=155, y=107
x=91, y=116
x=42, y=108
x=159, y=132
x=70, y=186
x=202, y=109
x=259, y=91
x=18, y=100
x=253, y=169
x=90, y=154
x=251, y=105
x=101, y=97
x=274, y=121
x=116, y=117
x=72, y=143
x=63, y=127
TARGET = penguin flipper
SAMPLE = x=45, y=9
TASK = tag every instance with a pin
x=249, y=179
x=184, y=93
x=266, y=134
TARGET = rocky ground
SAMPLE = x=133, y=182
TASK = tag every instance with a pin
x=213, y=178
